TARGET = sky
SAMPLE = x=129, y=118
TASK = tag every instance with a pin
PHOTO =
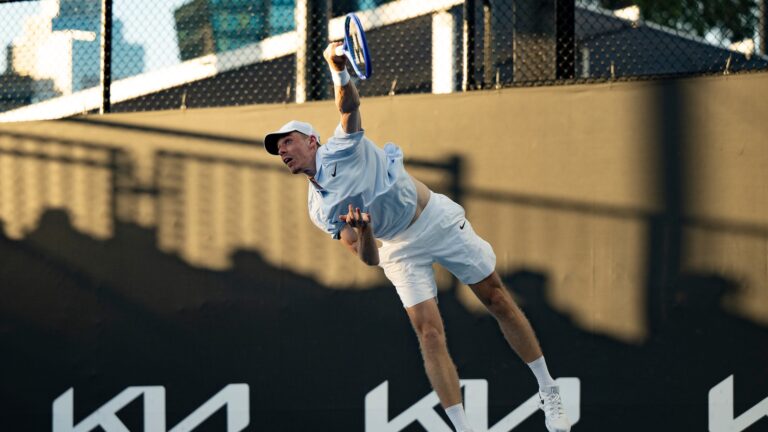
x=146, y=22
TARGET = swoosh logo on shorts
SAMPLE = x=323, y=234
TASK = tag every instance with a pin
x=462, y=225
x=333, y=174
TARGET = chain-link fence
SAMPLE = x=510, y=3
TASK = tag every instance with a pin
x=174, y=54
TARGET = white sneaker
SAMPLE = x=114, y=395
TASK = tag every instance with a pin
x=554, y=413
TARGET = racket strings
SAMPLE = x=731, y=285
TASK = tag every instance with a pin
x=357, y=50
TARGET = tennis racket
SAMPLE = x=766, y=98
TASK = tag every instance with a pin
x=355, y=47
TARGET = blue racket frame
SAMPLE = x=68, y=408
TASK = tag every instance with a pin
x=348, y=46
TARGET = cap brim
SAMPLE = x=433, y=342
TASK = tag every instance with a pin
x=270, y=141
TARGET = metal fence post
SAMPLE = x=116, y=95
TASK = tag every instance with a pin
x=106, y=56
x=312, y=30
x=565, y=39
x=468, y=41
x=763, y=30
x=443, y=53
x=488, y=57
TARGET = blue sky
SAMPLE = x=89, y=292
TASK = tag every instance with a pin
x=146, y=22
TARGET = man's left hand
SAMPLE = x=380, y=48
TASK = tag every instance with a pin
x=355, y=218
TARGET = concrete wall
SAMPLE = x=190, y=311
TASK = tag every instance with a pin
x=609, y=191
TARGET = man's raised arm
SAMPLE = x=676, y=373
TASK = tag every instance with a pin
x=347, y=97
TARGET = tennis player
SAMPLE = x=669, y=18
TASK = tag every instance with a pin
x=360, y=193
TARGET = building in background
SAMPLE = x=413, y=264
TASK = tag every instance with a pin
x=15, y=90
x=212, y=26
x=60, y=45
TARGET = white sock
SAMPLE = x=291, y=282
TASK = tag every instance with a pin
x=539, y=368
x=458, y=418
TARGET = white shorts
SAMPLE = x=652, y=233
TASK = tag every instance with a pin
x=441, y=234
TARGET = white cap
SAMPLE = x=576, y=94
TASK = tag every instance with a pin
x=270, y=141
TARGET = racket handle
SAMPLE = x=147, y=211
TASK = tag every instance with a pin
x=340, y=51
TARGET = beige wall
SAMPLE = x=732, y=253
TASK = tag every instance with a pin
x=576, y=170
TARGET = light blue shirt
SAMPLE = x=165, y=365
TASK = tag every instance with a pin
x=351, y=169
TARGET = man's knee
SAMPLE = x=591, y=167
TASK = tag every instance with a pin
x=500, y=302
x=431, y=337
x=497, y=299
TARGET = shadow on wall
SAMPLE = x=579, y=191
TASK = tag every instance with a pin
x=203, y=207
x=102, y=315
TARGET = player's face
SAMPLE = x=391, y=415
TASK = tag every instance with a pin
x=297, y=152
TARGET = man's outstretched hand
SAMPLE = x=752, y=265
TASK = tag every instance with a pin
x=355, y=218
x=337, y=63
x=360, y=240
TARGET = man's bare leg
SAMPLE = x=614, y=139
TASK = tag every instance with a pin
x=512, y=321
x=441, y=371
x=519, y=333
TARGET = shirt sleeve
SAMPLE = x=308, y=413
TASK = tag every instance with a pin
x=343, y=144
